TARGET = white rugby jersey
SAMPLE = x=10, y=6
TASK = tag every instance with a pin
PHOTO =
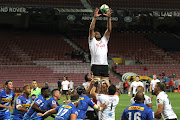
x=146, y=101
x=167, y=112
x=98, y=50
x=153, y=83
x=65, y=85
x=135, y=84
x=86, y=86
x=112, y=101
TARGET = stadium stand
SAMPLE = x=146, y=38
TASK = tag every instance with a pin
x=151, y=69
x=133, y=46
x=138, y=4
x=43, y=3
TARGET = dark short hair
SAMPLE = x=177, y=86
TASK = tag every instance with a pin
x=138, y=76
x=24, y=87
x=53, y=91
x=80, y=89
x=44, y=89
x=6, y=83
x=112, y=90
x=161, y=85
x=74, y=96
x=66, y=77
x=34, y=80
x=141, y=88
x=86, y=78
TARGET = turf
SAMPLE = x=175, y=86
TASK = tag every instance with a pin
x=124, y=101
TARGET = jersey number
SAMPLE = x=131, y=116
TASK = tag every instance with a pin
x=63, y=111
x=137, y=115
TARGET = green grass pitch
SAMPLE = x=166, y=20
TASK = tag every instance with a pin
x=124, y=101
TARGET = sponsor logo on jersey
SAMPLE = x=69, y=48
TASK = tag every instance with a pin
x=26, y=105
x=6, y=100
x=158, y=101
x=67, y=106
x=81, y=98
x=136, y=108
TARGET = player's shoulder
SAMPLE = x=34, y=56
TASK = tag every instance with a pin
x=12, y=92
x=146, y=97
x=162, y=94
x=2, y=90
x=21, y=96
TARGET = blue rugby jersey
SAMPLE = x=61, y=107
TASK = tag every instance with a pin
x=64, y=111
x=24, y=102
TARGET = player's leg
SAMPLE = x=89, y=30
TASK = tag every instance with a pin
x=96, y=72
x=105, y=75
x=63, y=96
x=67, y=95
x=152, y=94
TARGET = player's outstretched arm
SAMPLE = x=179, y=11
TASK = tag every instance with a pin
x=37, y=109
x=109, y=26
x=20, y=108
x=12, y=103
x=92, y=26
x=93, y=90
x=48, y=113
x=73, y=117
x=158, y=111
x=150, y=88
x=7, y=107
x=129, y=93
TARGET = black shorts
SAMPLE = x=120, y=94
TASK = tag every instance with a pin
x=100, y=70
x=172, y=119
x=133, y=95
x=92, y=115
x=153, y=93
x=65, y=92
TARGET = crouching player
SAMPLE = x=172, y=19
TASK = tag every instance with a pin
x=49, y=104
x=65, y=111
x=22, y=104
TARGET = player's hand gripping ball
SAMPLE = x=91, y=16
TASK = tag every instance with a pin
x=104, y=8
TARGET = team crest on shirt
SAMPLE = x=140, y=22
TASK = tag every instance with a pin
x=53, y=102
x=18, y=101
x=76, y=113
x=39, y=101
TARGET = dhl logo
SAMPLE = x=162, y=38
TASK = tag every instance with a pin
x=26, y=105
x=6, y=100
x=67, y=106
x=81, y=98
x=136, y=108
